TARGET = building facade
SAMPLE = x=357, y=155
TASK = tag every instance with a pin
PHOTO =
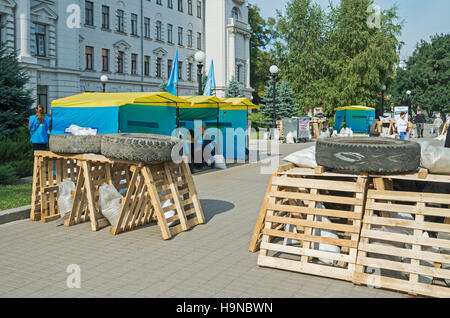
x=67, y=45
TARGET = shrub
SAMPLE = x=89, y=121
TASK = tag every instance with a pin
x=17, y=152
x=7, y=174
x=259, y=121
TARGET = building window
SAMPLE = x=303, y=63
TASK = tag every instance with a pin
x=105, y=60
x=158, y=67
x=147, y=27
x=169, y=67
x=190, y=7
x=189, y=72
x=89, y=13
x=169, y=33
x=199, y=9
x=180, y=36
x=42, y=96
x=235, y=13
x=159, y=2
x=120, y=55
x=190, y=40
x=238, y=73
x=105, y=17
x=134, y=64
x=147, y=65
x=158, y=30
x=89, y=58
x=40, y=35
x=120, y=24
x=170, y=4
x=180, y=5
x=199, y=41
x=180, y=70
x=134, y=24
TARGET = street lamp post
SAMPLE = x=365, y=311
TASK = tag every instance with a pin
x=200, y=59
x=104, y=80
x=274, y=71
x=383, y=90
x=409, y=101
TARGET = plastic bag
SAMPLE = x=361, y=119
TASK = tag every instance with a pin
x=304, y=158
x=291, y=228
x=290, y=138
x=65, y=198
x=324, y=134
x=435, y=159
x=81, y=131
x=219, y=162
x=110, y=205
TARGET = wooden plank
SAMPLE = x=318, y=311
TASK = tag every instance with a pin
x=35, y=215
x=176, y=198
x=343, y=186
x=86, y=166
x=315, y=211
x=314, y=224
x=316, y=197
x=193, y=192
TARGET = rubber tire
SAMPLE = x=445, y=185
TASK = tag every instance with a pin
x=381, y=155
x=146, y=148
x=68, y=143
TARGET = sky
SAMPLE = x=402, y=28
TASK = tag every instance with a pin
x=421, y=18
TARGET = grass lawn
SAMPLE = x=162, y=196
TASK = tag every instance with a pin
x=14, y=196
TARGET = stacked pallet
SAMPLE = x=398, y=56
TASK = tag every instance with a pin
x=348, y=227
x=146, y=186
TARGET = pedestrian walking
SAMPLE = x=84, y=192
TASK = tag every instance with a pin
x=437, y=124
x=40, y=125
x=420, y=123
x=402, y=125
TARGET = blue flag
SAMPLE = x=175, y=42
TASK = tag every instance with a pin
x=173, y=80
x=210, y=81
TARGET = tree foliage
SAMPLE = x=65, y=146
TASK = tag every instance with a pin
x=15, y=100
x=335, y=58
x=285, y=106
x=233, y=89
x=427, y=76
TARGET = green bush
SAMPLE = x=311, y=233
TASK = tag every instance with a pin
x=259, y=121
x=17, y=153
x=7, y=174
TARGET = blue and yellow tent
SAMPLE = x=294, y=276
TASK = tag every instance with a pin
x=118, y=112
x=357, y=118
x=234, y=115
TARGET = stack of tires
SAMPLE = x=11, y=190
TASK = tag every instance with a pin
x=146, y=148
x=380, y=155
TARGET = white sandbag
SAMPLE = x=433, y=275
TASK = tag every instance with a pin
x=81, y=131
x=65, y=199
x=441, y=137
x=325, y=233
x=335, y=133
x=305, y=158
x=290, y=138
x=324, y=134
x=435, y=159
x=219, y=162
x=291, y=228
x=110, y=203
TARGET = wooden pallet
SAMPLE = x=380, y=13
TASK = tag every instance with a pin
x=146, y=187
x=48, y=172
x=293, y=199
x=393, y=252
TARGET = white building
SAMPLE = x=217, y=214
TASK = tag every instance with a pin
x=67, y=45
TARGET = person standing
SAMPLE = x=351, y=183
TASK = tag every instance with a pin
x=40, y=125
x=420, y=123
x=447, y=139
x=437, y=124
x=402, y=125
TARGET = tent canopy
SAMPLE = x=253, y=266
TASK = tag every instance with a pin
x=355, y=108
x=201, y=108
x=120, y=99
x=239, y=103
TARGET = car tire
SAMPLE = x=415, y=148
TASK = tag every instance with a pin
x=73, y=144
x=380, y=155
x=146, y=148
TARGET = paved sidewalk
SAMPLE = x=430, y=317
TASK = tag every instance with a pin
x=211, y=260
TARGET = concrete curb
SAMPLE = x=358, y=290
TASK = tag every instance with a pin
x=16, y=214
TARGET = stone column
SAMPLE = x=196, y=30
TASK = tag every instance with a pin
x=247, y=58
x=232, y=55
x=23, y=20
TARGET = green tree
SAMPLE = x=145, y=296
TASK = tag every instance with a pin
x=427, y=76
x=233, y=89
x=267, y=100
x=300, y=36
x=260, y=59
x=15, y=100
x=360, y=56
x=286, y=107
